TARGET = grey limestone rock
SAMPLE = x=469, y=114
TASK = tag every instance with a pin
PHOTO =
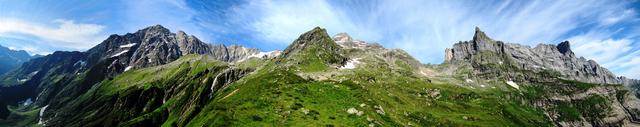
x=542, y=57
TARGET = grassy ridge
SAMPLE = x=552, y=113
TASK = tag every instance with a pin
x=276, y=97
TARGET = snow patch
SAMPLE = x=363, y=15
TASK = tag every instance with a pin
x=513, y=84
x=269, y=54
x=128, y=68
x=351, y=64
x=28, y=77
x=128, y=45
x=33, y=73
x=80, y=63
x=120, y=53
x=41, y=122
x=27, y=102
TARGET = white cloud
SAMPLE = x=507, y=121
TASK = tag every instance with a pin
x=31, y=50
x=283, y=21
x=632, y=62
x=632, y=73
x=603, y=51
x=615, y=16
x=627, y=65
x=63, y=33
x=618, y=55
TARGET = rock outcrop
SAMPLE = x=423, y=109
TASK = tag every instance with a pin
x=391, y=56
x=542, y=57
x=580, y=81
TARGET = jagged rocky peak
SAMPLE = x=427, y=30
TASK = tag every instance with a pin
x=316, y=38
x=314, y=47
x=482, y=49
x=157, y=45
x=564, y=47
x=463, y=51
x=482, y=42
x=480, y=37
x=155, y=29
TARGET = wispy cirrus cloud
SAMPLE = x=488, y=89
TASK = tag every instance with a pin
x=279, y=22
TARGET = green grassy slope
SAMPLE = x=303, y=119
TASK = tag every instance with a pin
x=277, y=97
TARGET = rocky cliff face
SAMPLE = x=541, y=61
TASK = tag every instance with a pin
x=156, y=45
x=573, y=91
x=542, y=57
x=392, y=57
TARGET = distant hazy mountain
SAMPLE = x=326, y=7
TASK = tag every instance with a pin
x=157, y=78
x=12, y=59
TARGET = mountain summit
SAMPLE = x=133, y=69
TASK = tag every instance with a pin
x=479, y=37
x=313, y=51
x=552, y=71
x=564, y=47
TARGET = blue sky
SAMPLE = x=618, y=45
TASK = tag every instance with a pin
x=606, y=31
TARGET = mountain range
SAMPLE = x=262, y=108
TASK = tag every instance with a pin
x=11, y=59
x=154, y=77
